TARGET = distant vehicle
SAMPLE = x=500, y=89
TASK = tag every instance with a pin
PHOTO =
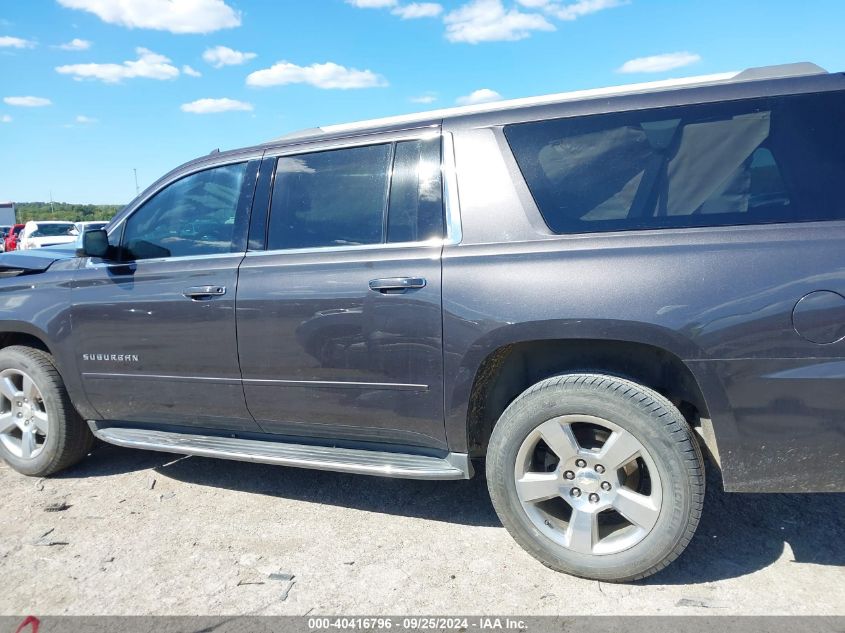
x=7, y=213
x=81, y=227
x=11, y=240
x=47, y=233
x=4, y=231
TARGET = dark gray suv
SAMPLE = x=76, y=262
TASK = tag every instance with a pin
x=584, y=290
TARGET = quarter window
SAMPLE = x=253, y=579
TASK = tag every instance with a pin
x=195, y=215
x=749, y=162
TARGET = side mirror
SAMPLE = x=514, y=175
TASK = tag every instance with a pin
x=94, y=243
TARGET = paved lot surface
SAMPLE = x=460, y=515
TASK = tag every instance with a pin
x=130, y=532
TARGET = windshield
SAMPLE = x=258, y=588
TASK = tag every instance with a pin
x=54, y=230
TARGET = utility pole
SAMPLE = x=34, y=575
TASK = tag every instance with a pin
x=137, y=189
x=52, y=210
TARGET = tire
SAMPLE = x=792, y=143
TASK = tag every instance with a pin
x=60, y=438
x=618, y=521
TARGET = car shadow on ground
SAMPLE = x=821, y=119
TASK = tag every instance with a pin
x=738, y=533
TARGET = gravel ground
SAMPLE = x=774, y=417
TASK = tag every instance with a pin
x=131, y=532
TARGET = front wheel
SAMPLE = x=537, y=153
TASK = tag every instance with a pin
x=40, y=431
x=596, y=476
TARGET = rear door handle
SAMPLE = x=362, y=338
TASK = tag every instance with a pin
x=396, y=284
x=204, y=292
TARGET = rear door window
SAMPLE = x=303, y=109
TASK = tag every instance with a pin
x=374, y=194
x=748, y=162
x=334, y=198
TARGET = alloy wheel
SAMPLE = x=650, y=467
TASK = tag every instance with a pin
x=24, y=423
x=588, y=484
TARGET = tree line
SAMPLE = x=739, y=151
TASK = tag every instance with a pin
x=65, y=211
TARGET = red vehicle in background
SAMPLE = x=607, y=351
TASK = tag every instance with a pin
x=12, y=237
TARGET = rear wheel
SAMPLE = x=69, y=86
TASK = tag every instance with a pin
x=596, y=476
x=40, y=431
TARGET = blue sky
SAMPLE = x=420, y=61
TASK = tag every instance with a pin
x=90, y=89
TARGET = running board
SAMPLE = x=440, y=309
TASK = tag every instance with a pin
x=347, y=460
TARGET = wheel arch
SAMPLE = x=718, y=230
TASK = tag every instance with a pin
x=27, y=334
x=650, y=356
x=12, y=333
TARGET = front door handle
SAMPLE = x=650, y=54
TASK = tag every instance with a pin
x=396, y=285
x=198, y=293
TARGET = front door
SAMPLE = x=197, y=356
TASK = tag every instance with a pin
x=154, y=328
x=339, y=313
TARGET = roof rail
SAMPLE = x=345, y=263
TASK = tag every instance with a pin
x=781, y=71
x=751, y=74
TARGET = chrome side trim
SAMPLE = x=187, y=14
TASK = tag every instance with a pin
x=337, y=383
x=398, y=386
x=154, y=260
x=451, y=197
x=222, y=381
x=348, y=460
x=344, y=249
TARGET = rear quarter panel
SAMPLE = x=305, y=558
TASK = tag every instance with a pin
x=720, y=299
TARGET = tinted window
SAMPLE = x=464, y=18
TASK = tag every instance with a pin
x=192, y=216
x=416, y=206
x=749, y=162
x=54, y=230
x=333, y=198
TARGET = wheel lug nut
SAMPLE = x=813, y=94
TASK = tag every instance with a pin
x=605, y=485
x=594, y=498
x=575, y=492
x=599, y=469
x=20, y=415
x=569, y=475
x=580, y=463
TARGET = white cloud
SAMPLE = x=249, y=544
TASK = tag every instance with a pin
x=27, y=102
x=76, y=44
x=584, y=7
x=426, y=98
x=328, y=75
x=483, y=95
x=220, y=56
x=85, y=119
x=190, y=71
x=416, y=10
x=149, y=65
x=5, y=119
x=8, y=41
x=212, y=106
x=372, y=4
x=571, y=10
x=659, y=63
x=176, y=16
x=488, y=21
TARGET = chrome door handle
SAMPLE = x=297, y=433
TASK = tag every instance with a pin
x=204, y=292
x=396, y=284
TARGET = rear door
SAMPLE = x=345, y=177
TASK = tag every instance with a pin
x=154, y=329
x=339, y=302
